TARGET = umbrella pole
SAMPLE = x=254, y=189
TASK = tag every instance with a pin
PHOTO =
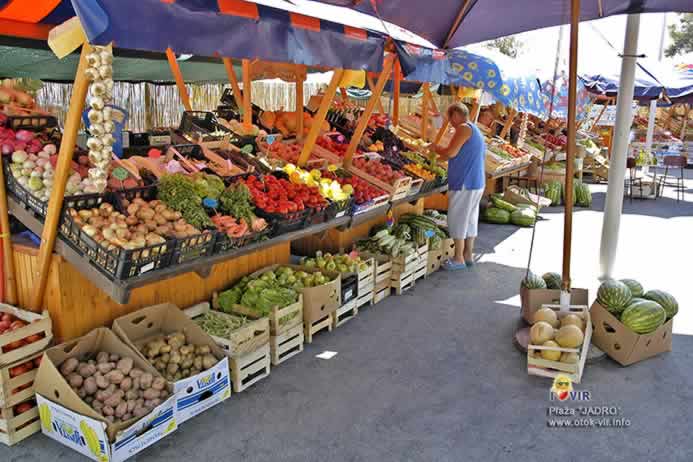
x=247, y=91
x=619, y=149
x=233, y=80
x=178, y=76
x=299, y=108
x=570, y=151
x=395, y=93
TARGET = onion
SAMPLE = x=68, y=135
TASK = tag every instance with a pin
x=7, y=149
x=24, y=135
x=29, y=164
x=50, y=148
x=44, y=155
x=19, y=157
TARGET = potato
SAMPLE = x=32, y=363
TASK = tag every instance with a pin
x=101, y=381
x=131, y=395
x=152, y=403
x=105, y=368
x=160, y=365
x=87, y=399
x=186, y=350
x=130, y=405
x=75, y=380
x=115, y=357
x=139, y=402
x=86, y=370
x=185, y=372
x=100, y=396
x=172, y=368
x=80, y=392
x=127, y=417
x=202, y=350
x=163, y=394
x=115, y=399
x=140, y=411
x=197, y=363
x=126, y=384
x=187, y=362
x=146, y=380
x=136, y=384
x=159, y=383
x=135, y=372
x=159, y=219
x=125, y=365
x=102, y=357
x=165, y=358
x=150, y=393
x=115, y=376
x=121, y=409
x=107, y=410
x=90, y=385
x=97, y=405
x=208, y=361
x=165, y=349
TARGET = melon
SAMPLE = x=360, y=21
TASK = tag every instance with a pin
x=498, y=202
x=614, y=296
x=551, y=355
x=540, y=333
x=635, y=287
x=532, y=281
x=643, y=317
x=553, y=280
x=570, y=358
x=573, y=320
x=569, y=336
x=665, y=300
x=547, y=315
x=497, y=216
x=523, y=217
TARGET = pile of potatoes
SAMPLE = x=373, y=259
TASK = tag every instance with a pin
x=113, y=387
x=177, y=359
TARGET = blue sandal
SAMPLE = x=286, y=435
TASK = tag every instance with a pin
x=450, y=265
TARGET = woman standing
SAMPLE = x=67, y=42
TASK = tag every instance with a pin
x=466, y=181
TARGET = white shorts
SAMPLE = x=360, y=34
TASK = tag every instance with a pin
x=463, y=212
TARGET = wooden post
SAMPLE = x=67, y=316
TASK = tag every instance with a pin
x=319, y=117
x=395, y=93
x=344, y=94
x=599, y=117
x=684, y=124
x=371, y=85
x=474, y=113
x=457, y=95
x=73, y=121
x=431, y=101
x=10, y=284
x=299, y=108
x=424, y=112
x=247, y=91
x=366, y=115
x=178, y=76
x=233, y=80
x=570, y=148
x=509, y=123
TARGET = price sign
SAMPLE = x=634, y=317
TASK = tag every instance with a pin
x=248, y=148
x=210, y=203
x=271, y=139
x=120, y=174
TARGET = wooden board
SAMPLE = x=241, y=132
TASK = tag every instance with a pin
x=250, y=368
x=16, y=427
x=309, y=330
x=344, y=314
x=10, y=393
x=286, y=345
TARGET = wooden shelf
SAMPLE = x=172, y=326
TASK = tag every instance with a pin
x=120, y=291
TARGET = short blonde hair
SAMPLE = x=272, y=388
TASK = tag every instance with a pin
x=460, y=108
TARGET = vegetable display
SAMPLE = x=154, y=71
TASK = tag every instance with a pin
x=113, y=387
x=328, y=187
x=218, y=324
x=339, y=263
x=387, y=242
x=363, y=191
x=179, y=192
x=275, y=195
x=175, y=358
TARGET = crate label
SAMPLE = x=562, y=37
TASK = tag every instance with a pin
x=348, y=294
x=147, y=267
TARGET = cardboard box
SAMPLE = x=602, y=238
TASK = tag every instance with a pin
x=318, y=301
x=66, y=418
x=622, y=344
x=194, y=394
x=533, y=299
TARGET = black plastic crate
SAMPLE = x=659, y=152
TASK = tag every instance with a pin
x=228, y=112
x=227, y=98
x=146, y=193
x=193, y=121
x=32, y=123
x=339, y=209
x=116, y=263
x=197, y=246
x=349, y=286
x=284, y=223
x=225, y=243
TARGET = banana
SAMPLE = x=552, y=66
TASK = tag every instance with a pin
x=91, y=438
x=45, y=415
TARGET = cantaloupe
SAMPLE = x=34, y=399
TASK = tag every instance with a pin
x=573, y=319
x=551, y=355
x=569, y=336
x=570, y=358
x=541, y=332
x=547, y=315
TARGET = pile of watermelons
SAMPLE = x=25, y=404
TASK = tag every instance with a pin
x=640, y=311
x=555, y=191
x=503, y=212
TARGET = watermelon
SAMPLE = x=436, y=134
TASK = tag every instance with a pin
x=553, y=192
x=498, y=216
x=635, y=287
x=643, y=317
x=614, y=296
x=502, y=204
x=583, y=195
x=532, y=281
x=553, y=280
x=523, y=217
x=666, y=300
x=531, y=207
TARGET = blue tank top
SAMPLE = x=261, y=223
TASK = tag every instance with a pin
x=466, y=169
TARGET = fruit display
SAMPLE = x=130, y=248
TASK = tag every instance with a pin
x=336, y=145
x=554, y=331
x=502, y=204
x=176, y=358
x=277, y=195
x=533, y=281
x=218, y=324
x=113, y=386
x=10, y=323
x=286, y=152
x=237, y=227
x=389, y=241
x=420, y=171
x=363, y=191
x=346, y=263
x=378, y=169
x=640, y=311
x=287, y=122
x=22, y=369
x=423, y=228
x=14, y=100
x=182, y=194
x=554, y=140
x=241, y=128
x=552, y=280
x=428, y=164
x=329, y=188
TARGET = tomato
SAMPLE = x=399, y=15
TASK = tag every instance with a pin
x=23, y=407
x=21, y=369
x=34, y=338
x=17, y=325
x=13, y=346
x=37, y=361
x=7, y=317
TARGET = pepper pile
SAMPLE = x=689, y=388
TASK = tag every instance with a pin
x=275, y=195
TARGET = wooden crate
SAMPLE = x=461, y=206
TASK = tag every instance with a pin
x=552, y=369
x=405, y=264
x=280, y=319
x=365, y=298
x=401, y=282
x=8, y=384
x=14, y=428
x=38, y=324
x=397, y=191
x=247, y=338
x=382, y=290
x=383, y=270
x=433, y=261
x=421, y=269
x=250, y=368
x=344, y=314
x=366, y=277
x=310, y=329
x=286, y=345
x=448, y=248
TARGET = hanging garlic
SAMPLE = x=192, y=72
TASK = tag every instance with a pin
x=95, y=173
x=108, y=126
x=102, y=164
x=94, y=59
x=95, y=116
x=97, y=129
x=100, y=184
x=97, y=103
x=109, y=84
x=107, y=151
x=94, y=144
x=106, y=57
x=105, y=71
x=98, y=89
x=94, y=156
x=107, y=114
x=92, y=74
x=107, y=139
